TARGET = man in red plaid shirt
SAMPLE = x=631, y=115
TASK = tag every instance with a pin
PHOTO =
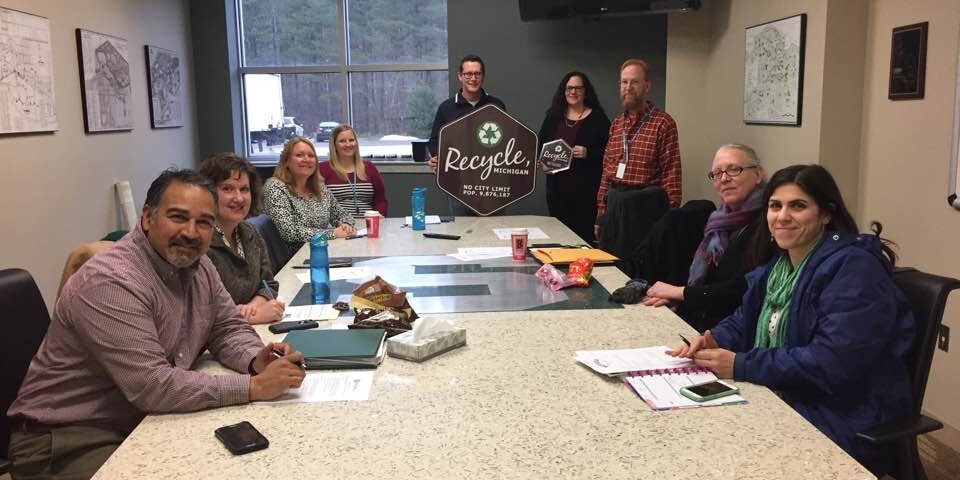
x=643, y=149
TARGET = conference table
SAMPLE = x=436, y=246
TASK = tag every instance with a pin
x=512, y=403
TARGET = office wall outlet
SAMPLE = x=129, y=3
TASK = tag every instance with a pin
x=943, y=341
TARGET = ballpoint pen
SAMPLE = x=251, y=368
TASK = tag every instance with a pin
x=278, y=354
x=684, y=339
x=268, y=291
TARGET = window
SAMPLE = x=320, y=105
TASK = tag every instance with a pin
x=308, y=65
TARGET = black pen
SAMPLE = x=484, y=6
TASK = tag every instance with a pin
x=278, y=354
x=684, y=339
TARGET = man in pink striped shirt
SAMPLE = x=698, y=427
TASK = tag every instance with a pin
x=127, y=329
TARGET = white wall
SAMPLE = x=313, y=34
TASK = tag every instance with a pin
x=905, y=165
x=57, y=189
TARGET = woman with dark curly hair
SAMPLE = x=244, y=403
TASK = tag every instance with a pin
x=575, y=115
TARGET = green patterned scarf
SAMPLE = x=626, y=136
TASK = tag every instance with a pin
x=780, y=285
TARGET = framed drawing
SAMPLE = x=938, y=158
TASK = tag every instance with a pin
x=26, y=74
x=104, y=82
x=773, y=71
x=163, y=86
x=908, y=62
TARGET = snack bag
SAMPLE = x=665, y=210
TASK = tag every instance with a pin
x=579, y=272
x=553, y=278
x=378, y=304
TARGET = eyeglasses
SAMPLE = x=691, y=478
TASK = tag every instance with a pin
x=471, y=74
x=733, y=171
x=575, y=89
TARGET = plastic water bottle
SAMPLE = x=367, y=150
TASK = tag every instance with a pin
x=418, y=202
x=319, y=270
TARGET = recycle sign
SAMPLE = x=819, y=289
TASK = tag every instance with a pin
x=486, y=160
x=556, y=156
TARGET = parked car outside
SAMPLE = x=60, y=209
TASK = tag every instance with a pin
x=324, y=129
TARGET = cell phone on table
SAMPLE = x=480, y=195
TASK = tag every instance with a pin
x=443, y=236
x=284, y=327
x=241, y=438
x=708, y=391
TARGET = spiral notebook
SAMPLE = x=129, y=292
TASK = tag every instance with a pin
x=661, y=389
x=654, y=376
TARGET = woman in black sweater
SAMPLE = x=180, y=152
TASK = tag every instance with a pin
x=575, y=115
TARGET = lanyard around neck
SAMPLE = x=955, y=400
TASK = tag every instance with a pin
x=635, y=132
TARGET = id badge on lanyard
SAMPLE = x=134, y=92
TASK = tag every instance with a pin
x=622, y=166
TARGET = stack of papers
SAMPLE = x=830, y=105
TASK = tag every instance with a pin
x=360, y=348
x=655, y=376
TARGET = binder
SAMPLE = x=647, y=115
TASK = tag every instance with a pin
x=360, y=348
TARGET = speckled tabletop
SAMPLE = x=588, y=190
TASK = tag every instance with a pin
x=511, y=404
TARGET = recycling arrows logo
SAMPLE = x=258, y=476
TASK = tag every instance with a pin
x=489, y=134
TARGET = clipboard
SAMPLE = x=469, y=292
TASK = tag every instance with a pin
x=566, y=255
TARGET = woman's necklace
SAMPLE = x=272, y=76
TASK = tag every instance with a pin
x=571, y=124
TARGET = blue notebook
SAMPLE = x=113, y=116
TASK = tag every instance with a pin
x=338, y=348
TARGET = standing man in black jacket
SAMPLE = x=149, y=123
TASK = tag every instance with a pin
x=470, y=97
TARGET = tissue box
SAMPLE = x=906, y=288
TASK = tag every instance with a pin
x=405, y=347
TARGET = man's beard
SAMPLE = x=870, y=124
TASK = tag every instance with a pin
x=182, y=259
x=631, y=102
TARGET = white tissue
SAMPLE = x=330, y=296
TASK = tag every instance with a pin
x=427, y=327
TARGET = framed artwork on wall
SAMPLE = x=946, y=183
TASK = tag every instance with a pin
x=773, y=71
x=163, y=85
x=908, y=62
x=104, y=82
x=26, y=74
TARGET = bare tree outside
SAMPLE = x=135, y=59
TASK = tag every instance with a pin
x=393, y=49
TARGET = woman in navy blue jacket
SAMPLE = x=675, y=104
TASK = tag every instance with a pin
x=822, y=322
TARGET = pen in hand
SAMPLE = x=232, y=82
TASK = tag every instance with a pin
x=278, y=354
x=684, y=339
x=268, y=290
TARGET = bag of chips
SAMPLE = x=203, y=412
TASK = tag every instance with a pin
x=378, y=304
x=579, y=272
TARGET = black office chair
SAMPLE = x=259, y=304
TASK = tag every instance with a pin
x=630, y=216
x=927, y=294
x=277, y=249
x=24, y=325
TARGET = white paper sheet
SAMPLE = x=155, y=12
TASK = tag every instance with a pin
x=339, y=273
x=310, y=312
x=427, y=220
x=533, y=233
x=331, y=386
x=480, y=253
x=346, y=273
x=614, y=362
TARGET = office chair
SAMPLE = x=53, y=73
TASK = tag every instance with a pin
x=630, y=215
x=24, y=325
x=927, y=294
x=276, y=247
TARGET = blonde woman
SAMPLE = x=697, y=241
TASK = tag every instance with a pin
x=297, y=200
x=356, y=183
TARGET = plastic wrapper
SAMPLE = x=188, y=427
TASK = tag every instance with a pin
x=553, y=278
x=579, y=272
x=378, y=304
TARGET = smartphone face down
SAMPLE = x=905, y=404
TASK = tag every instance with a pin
x=708, y=391
x=241, y=438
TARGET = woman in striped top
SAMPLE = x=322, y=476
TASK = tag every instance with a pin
x=354, y=182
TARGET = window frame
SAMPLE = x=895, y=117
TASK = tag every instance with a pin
x=344, y=68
